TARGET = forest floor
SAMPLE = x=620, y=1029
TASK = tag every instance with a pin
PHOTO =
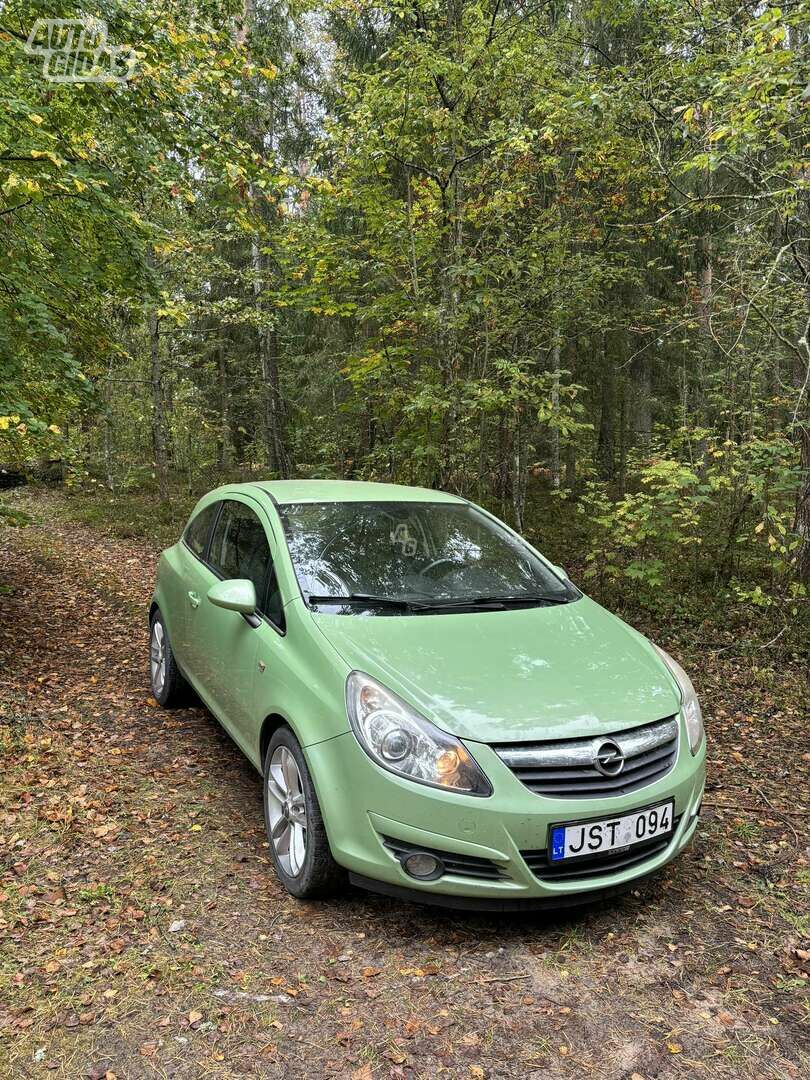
x=143, y=933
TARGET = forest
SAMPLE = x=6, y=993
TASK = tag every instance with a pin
x=551, y=256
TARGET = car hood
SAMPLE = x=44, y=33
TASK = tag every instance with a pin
x=511, y=676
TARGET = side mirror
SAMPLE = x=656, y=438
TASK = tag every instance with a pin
x=236, y=594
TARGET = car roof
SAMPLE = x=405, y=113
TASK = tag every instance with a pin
x=315, y=491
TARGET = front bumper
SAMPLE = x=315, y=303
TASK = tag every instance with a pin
x=368, y=810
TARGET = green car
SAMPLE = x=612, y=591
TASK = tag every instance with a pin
x=435, y=708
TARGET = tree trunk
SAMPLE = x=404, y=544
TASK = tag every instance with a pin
x=801, y=524
x=605, y=443
x=642, y=401
x=801, y=381
x=554, y=465
x=275, y=413
x=571, y=466
x=225, y=442
x=261, y=133
x=452, y=203
x=519, y=475
x=109, y=479
x=158, y=415
x=271, y=395
x=107, y=434
x=622, y=436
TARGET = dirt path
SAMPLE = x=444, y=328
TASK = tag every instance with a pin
x=142, y=932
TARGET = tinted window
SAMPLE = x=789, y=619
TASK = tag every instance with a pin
x=239, y=549
x=198, y=528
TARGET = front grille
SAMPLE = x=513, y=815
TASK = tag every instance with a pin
x=590, y=866
x=470, y=866
x=566, y=770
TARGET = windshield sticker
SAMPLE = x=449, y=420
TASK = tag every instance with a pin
x=400, y=535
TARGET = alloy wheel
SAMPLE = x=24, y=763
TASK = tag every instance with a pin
x=157, y=657
x=287, y=811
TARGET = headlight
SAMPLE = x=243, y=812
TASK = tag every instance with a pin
x=398, y=738
x=689, y=701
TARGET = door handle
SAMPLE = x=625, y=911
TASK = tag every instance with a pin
x=193, y=599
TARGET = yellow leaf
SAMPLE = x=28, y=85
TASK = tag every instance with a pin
x=760, y=527
x=5, y=423
x=674, y=1048
x=194, y=1016
x=55, y=429
x=35, y=118
x=11, y=182
x=196, y=828
x=50, y=155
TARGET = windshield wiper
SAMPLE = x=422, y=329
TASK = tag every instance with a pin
x=494, y=601
x=460, y=603
x=363, y=598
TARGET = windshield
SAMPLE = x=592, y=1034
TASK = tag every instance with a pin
x=408, y=557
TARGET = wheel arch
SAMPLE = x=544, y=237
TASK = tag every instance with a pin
x=270, y=725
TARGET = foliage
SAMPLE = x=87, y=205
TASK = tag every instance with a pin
x=502, y=249
x=704, y=512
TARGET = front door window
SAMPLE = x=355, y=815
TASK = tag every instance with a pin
x=239, y=549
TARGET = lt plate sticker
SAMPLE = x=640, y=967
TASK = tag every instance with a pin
x=594, y=837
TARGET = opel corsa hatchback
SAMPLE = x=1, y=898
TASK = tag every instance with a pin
x=435, y=707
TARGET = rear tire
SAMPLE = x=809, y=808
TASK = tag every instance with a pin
x=169, y=688
x=292, y=815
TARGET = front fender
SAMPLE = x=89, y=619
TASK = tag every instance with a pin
x=167, y=596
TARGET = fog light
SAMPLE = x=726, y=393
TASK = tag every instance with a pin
x=422, y=865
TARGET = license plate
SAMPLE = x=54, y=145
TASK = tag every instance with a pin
x=574, y=840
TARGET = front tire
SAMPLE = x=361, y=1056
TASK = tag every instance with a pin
x=169, y=688
x=298, y=843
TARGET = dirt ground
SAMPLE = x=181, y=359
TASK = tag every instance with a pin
x=143, y=933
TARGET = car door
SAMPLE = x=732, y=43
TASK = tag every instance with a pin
x=190, y=581
x=225, y=643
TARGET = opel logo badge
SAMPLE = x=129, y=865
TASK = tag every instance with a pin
x=608, y=758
